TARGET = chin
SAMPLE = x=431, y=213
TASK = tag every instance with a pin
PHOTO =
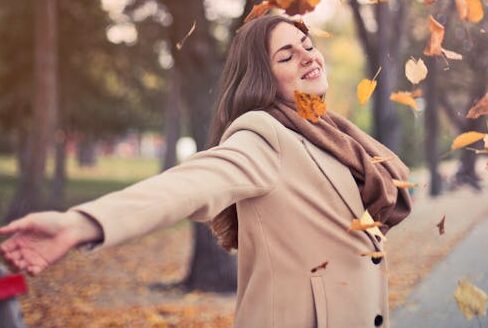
x=318, y=87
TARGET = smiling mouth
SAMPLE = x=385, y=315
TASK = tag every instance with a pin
x=313, y=74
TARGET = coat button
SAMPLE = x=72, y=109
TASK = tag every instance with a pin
x=378, y=320
x=376, y=260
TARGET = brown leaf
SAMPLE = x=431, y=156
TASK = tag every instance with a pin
x=479, y=109
x=309, y=106
x=258, y=10
x=322, y=265
x=440, y=225
x=295, y=7
x=434, y=47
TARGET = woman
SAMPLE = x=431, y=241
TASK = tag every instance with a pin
x=280, y=189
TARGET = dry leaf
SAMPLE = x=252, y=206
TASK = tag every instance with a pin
x=258, y=10
x=295, y=7
x=434, y=47
x=309, y=106
x=479, y=109
x=470, y=299
x=470, y=10
x=451, y=54
x=465, y=139
x=320, y=266
x=404, y=184
x=320, y=33
x=429, y=2
x=404, y=98
x=366, y=88
x=415, y=70
x=440, y=225
x=367, y=223
x=374, y=254
x=380, y=159
x=179, y=45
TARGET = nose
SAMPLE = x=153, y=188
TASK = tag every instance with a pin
x=307, y=58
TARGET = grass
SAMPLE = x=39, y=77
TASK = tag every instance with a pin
x=110, y=174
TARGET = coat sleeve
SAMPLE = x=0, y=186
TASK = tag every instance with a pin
x=245, y=164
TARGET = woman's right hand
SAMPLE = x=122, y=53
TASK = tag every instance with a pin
x=40, y=239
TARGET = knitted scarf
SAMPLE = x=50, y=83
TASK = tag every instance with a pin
x=354, y=148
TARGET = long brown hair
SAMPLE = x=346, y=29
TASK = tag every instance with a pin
x=247, y=83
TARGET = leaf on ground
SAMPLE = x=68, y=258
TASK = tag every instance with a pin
x=441, y=224
x=404, y=184
x=415, y=70
x=466, y=138
x=479, y=109
x=470, y=299
x=310, y=106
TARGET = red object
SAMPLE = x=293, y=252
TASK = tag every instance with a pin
x=12, y=285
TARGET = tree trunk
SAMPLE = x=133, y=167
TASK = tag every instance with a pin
x=86, y=152
x=172, y=120
x=432, y=128
x=56, y=198
x=211, y=267
x=28, y=196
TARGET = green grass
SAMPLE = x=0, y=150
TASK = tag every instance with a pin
x=110, y=174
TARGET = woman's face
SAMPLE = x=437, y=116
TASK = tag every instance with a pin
x=295, y=62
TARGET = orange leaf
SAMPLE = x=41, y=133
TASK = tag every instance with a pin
x=470, y=10
x=434, y=47
x=258, y=11
x=367, y=223
x=295, y=7
x=404, y=184
x=479, y=109
x=429, y=2
x=374, y=254
x=465, y=139
x=309, y=106
x=366, y=88
x=404, y=98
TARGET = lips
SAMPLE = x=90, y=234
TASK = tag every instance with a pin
x=311, y=74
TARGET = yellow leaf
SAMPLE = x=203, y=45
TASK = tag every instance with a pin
x=415, y=70
x=367, y=223
x=465, y=139
x=470, y=10
x=470, y=299
x=320, y=33
x=404, y=98
x=404, y=184
x=434, y=47
x=479, y=109
x=366, y=88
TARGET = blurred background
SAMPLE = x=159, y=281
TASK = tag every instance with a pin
x=96, y=95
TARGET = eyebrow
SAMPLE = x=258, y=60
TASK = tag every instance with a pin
x=289, y=46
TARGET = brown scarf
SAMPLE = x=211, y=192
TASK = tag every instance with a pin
x=354, y=148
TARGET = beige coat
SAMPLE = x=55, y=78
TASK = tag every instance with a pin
x=294, y=202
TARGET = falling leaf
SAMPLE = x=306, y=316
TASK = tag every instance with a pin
x=404, y=184
x=309, y=106
x=470, y=10
x=380, y=159
x=179, y=45
x=320, y=266
x=415, y=70
x=434, y=47
x=367, y=223
x=374, y=254
x=470, y=299
x=258, y=11
x=366, y=88
x=451, y=54
x=295, y=7
x=429, y=2
x=404, y=98
x=465, y=139
x=320, y=33
x=440, y=225
x=479, y=109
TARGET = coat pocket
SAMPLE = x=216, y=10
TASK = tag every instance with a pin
x=320, y=300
